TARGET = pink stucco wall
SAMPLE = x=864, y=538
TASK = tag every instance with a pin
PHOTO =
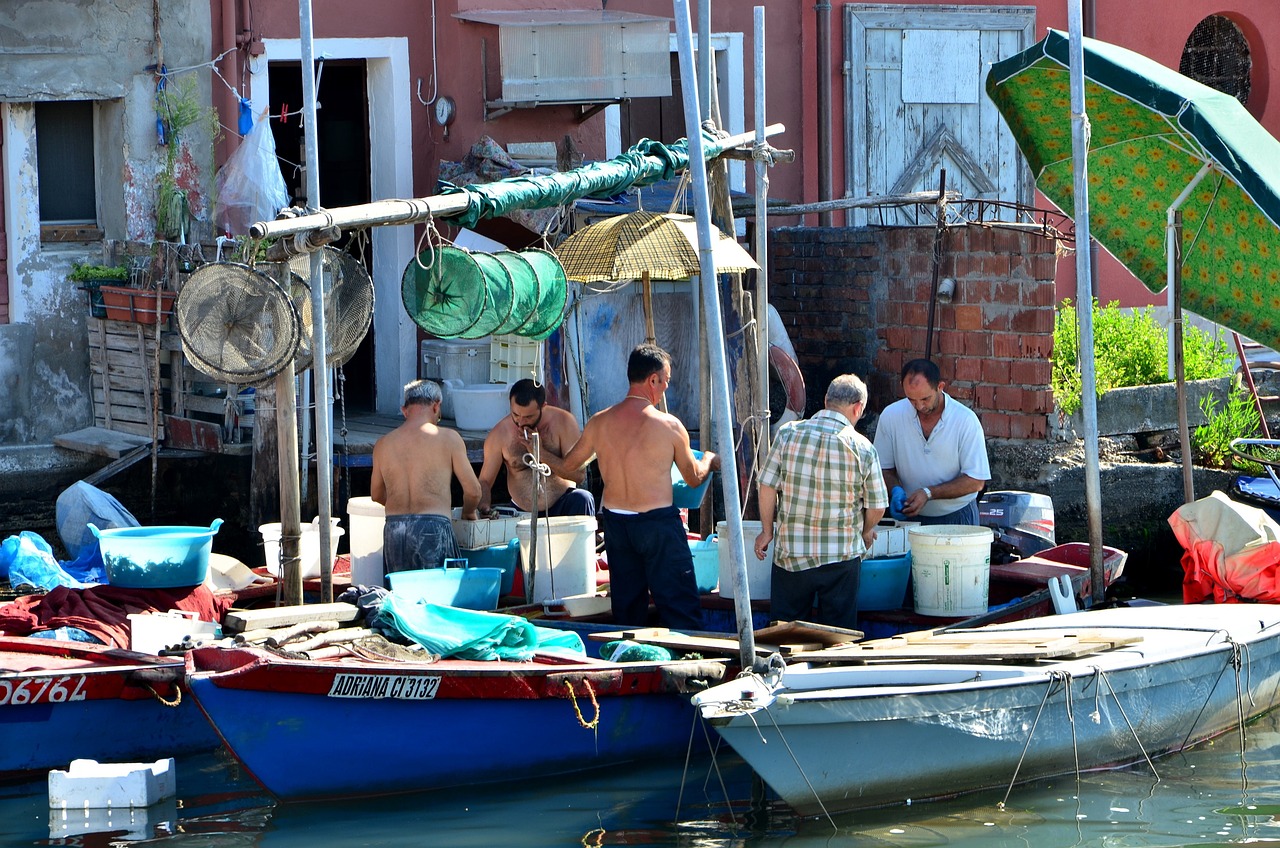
x=792, y=76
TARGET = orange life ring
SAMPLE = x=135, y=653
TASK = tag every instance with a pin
x=788, y=372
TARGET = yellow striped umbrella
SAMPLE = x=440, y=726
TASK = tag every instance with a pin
x=639, y=244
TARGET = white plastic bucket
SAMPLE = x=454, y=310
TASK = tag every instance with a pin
x=481, y=406
x=308, y=546
x=951, y=569
x=759, y=572
x=566, y=556
x=366, y=518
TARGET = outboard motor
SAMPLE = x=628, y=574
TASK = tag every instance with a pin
x=1022, y=523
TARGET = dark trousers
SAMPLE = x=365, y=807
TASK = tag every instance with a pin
x=827, y=594
x=648, y=553
x=967, y=514
x=572, y=502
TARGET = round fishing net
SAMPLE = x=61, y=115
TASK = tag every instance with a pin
x=237, y=324
x=348, y=305
x=443, y=290
x=497, y=299
x=524, y=290
x=554, y=289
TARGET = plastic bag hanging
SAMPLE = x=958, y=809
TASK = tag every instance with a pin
x=250, y=186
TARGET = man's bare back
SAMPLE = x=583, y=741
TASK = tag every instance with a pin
x=635, y=444
x=414, y=466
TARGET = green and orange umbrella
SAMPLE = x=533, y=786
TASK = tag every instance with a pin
x=1155, y=137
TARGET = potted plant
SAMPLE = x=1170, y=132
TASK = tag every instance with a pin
x=92, y=278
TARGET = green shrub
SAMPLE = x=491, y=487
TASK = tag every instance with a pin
x=1211, y=443
x=1130, y=349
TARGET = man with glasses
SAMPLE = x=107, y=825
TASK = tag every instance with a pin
x=510, y=444
x=933, y=447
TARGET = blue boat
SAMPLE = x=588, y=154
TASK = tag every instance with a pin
x=61, y=701
x=325, y=728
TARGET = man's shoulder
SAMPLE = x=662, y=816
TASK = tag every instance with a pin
x=959, y=409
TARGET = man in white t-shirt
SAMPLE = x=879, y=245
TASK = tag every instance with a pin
x=934, y=448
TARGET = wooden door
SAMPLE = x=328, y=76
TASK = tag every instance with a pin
x=915, y=103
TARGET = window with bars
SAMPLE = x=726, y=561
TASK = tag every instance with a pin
x=66, y=175
x=1217, y=54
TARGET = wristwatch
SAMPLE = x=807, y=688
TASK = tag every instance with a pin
x=927, y=493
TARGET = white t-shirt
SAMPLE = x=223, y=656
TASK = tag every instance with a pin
x=956, y=446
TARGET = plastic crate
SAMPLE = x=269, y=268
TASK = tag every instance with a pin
x=516, y=351
x=506, y=374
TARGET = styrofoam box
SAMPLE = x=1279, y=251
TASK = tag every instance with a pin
x=487, y=531
x=91, y=784
x=151, y=633
x=893, y=538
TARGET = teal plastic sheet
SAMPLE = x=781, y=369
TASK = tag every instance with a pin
x=472, y=635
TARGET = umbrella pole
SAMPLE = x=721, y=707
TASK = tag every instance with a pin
x=1084, y=304
x=650, y=335
x=1179, y=364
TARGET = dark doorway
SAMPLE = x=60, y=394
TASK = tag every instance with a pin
x=342, y=141
x=658, y=118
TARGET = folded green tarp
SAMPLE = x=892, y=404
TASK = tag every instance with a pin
x=471, y=635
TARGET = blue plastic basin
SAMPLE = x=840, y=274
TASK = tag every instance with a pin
x=706, y=563
x=466, y=588
x=504, y=557
x=682, y=494
x=163, y=557
x=883, y=583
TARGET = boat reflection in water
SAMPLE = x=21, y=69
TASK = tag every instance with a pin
x=1198, y=800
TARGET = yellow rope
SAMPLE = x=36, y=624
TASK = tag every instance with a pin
x=594, y=838
x=595, y=722
x=176, y=700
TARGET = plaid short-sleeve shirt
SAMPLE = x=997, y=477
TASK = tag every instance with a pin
x=826, y=474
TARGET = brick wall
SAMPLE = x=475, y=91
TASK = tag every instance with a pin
x=858, y=300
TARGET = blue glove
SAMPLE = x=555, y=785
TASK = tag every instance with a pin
x=897, y=502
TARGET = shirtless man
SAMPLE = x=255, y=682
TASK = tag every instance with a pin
x=413, y=467
x=509, y=442
x=644, y=538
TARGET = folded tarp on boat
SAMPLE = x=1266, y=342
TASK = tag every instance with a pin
x=472, y=635
x=1230, y=551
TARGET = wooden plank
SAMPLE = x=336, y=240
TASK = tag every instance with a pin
x=806, y=631
x=240, y=620
x=993, y=646
x=100, y=441
x=106, y=389
x=702, y=644
x=188, y=434
x=133, y=427
x=111, y=469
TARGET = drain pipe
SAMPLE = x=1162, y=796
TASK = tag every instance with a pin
x=823, y=9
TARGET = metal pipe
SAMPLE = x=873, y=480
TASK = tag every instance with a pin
x=319, y=344
x=1084, y=304
x=230, y=63
x=415, y=210
x=1180, y=373
x=823, y=9
x=723, y=408
x=762, y=252
x=1170, y=270
x=706, y=60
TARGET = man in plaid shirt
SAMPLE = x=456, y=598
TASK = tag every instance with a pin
x=822, y=482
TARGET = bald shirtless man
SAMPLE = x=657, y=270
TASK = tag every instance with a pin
x=510, y=441
x=635, y=445
x=413, y=468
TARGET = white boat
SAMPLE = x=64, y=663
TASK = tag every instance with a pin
x=942, y=713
